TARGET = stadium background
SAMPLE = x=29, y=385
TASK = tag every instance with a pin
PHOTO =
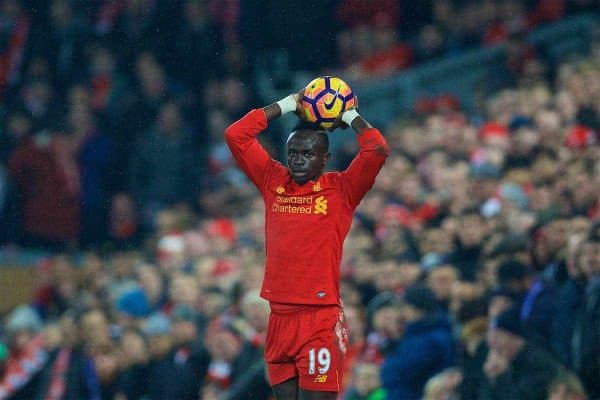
x=132, y=245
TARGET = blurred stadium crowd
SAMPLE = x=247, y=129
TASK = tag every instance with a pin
x=472, y=270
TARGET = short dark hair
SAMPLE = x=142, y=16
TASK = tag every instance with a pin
x=316, y=128
x=511, y=270
x=303, y=125
x=471, y=309
x=594, y=233
x=422, y=298
x=510, y=321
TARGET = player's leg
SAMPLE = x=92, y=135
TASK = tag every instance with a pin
x=320, y=361
x=287, y=390
x=281, y=368
x=310, y=395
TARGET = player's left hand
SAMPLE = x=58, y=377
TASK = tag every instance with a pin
x=338, y=124
x=338, y=121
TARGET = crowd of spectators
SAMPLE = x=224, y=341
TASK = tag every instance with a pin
x=471, y=271
x=98, y=94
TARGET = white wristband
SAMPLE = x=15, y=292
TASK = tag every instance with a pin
x=349, y=116
x=287, y=104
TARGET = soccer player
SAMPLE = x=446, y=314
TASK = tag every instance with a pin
x=307, y=217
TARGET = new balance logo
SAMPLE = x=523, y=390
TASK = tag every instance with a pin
x=321, y=379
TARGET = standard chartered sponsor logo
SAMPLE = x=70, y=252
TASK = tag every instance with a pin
x=300, y=205
x=295, y=199
x=278, y=208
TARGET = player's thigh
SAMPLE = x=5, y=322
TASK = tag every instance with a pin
x=320, y=361
x=280, y=348
x=287, y=390
x=281, y=372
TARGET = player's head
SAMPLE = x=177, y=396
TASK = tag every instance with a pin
x=307, y=151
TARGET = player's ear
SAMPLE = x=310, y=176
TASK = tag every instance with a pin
x=326, y=158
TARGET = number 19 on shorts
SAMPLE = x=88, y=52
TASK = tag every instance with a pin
x=322, y=358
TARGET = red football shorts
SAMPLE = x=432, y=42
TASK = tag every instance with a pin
x=308, y=342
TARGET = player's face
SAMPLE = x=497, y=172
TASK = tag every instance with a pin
x=307, y=156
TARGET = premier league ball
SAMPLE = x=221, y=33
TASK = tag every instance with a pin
x=325, y=98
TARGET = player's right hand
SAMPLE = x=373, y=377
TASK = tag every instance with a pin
x=298, y=97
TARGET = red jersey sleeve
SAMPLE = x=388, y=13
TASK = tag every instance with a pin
x=242, y=142
x=359, y=177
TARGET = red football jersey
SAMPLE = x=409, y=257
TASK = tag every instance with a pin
x=305, y=225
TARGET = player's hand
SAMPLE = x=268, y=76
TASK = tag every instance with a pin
x=298, y=97
x=338, y=124
x=290, y=103
x=338, y=121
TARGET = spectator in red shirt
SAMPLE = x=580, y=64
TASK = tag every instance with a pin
x=45, y=172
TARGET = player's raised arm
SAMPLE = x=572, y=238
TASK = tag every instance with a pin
x=242, y=142
x=352, y=118
x=290, y=103
x=360, y=175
